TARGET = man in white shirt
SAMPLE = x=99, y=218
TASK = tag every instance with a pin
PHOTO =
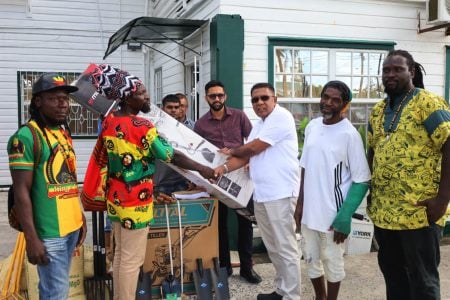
x=271, y=152
x=334, y=181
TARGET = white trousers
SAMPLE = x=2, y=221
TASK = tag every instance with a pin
x=277, y=226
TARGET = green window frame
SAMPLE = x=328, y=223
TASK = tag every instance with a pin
x=447, y=73
x=313, y=62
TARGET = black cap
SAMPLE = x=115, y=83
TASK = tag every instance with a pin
x=52, y=81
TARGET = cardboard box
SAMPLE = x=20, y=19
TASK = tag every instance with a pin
x=88, y=96
x=360, y=239
x=234, y=189
x=199, y=236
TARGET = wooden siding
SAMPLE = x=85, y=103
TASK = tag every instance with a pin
x=173, y=71
x=370, y=20
x=341, y=19
x=61, y=36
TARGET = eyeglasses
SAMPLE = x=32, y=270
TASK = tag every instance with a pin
x=263, y=98
x=214, y=96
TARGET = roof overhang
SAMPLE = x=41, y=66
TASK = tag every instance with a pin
x=153, y=30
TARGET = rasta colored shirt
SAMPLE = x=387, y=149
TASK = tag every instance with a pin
x=128, y=146
x=54, y=193
x=407, y=162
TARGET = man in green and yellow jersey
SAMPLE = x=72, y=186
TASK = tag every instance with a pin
x=45, y=187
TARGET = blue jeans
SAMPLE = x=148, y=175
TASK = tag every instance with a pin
x=54, y=277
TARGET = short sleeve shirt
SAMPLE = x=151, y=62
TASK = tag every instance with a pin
x=275, y=171
x=54, y=192
x=407, y=163
x=333, y=157
x=229, y=132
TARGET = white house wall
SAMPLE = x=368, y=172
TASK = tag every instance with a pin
x=173, y=72
x=394, y=20
x=341, y=19
x=60, y=36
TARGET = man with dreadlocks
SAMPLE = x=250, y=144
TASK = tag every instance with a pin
x=409, y=155
x=45, y=187
x=128, y=146
x=334, y=180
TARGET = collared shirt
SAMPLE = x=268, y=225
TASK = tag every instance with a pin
x=230, y=131
x=189, y=123
x=407, y=161
x=275, y=171
x=128, y=146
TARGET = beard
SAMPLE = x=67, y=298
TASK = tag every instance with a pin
x=328, y=115
x=216, y=106
x=395, y=89
x=145, y=108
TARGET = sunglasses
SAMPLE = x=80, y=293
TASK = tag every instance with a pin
x=214, y=96
x=263, y=98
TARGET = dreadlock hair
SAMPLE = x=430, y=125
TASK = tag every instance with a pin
x=36, y=116
x=346, y=94
x=412, y=65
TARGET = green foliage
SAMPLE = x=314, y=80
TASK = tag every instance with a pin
x=301, y=134
x=362, y=131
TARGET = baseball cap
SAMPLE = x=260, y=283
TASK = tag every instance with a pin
x=52, y=81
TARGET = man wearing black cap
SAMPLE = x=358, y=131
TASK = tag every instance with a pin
x=45, y=187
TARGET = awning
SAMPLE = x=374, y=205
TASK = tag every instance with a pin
x=153, y=30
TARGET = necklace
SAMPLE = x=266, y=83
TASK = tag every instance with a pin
x=396, y=113
x=66, y=150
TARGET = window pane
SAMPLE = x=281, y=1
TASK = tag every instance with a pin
x=317, y=84
x=376, y=88
x=302, y=61
x=298, y=110
x=359, y=87
x=158, y=87
x=358, y=113
x=343, y=63
x=283, y=60
x=319, y=62
x=301, y=86
x=375, y=63
x=283, y=85
x=314, y=110
x=360, y=63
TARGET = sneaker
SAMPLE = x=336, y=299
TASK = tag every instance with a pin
x=272, y=296
x=251, y=276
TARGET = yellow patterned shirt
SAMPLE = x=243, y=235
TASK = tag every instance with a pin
x=407, y=162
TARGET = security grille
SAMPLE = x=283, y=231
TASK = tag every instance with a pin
x=82, y=122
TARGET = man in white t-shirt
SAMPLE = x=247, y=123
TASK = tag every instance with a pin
x=334, y=180
x=271, y=152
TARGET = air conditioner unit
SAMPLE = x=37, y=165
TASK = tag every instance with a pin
x=438, y=11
